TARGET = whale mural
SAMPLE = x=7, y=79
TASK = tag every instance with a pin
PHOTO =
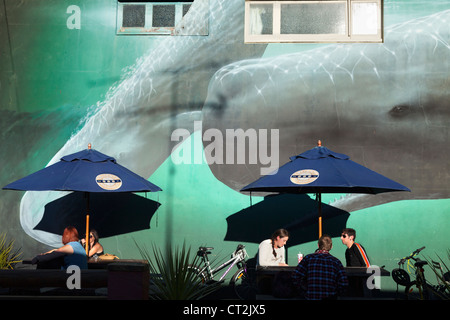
x=385, y=105
x=380, y=103
x=390, y=94
x=165, y=90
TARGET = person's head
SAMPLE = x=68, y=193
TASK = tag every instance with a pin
x=325, y=243
x=70, y=234
x=93, y=236
x=279, y=238
x=348, y=236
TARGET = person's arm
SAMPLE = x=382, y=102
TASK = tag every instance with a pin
x=65, y=249
x=96, y=248
x=342, y=280
x=283, y=260
x=361, y=255
x=299, y=275
x=265, y=254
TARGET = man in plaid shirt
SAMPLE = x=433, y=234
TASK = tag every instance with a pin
x=321, y=275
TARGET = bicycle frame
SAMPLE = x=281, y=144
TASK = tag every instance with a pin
x=238, y=256
x=419, y=272
x=425, y=289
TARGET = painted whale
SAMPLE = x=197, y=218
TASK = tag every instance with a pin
x=391, y=95
x=166, y=89
x=385, y=105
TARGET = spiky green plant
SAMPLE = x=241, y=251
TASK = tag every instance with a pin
x=173, y=274
x=442, y=291
x=8, y=256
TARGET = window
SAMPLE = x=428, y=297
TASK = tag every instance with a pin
x=152, y=17
x=313, y=21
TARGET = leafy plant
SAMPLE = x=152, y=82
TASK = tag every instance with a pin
x=8, y=256
x=442, y=290
x=173, y=274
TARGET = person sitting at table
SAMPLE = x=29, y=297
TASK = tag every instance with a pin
x=320, y=275
x=355, y=254
x=72, y=248
x=95, y=248
x=271, y=251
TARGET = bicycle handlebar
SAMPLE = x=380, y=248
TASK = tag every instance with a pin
x=410, y=256
x=205, y=250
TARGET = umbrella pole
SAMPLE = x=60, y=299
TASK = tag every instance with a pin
x=87, y=234
x=87, y=225
x=319, y=199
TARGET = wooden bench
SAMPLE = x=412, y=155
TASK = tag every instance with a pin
x=122, y=280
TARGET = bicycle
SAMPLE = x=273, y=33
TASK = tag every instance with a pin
x=243, y=281
x=426, y=291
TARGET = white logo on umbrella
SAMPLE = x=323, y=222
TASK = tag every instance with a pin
x=304, y=176
x=108, y=181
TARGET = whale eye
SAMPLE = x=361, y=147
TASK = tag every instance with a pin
x=400, y=110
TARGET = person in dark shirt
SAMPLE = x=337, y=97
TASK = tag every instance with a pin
x=320, y=274
x=355, y=254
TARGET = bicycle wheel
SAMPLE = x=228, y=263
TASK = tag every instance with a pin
x=195, y=270
x=244, y=283
x=421, y=292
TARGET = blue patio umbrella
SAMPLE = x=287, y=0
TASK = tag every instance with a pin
x=88, y=171
x=320, y=170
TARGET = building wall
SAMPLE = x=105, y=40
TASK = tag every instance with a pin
x=385, y=105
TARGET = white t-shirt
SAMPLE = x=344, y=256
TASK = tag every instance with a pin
x=265, y=254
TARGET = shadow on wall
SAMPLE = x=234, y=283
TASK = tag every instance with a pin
x=109, y=214
x=297, y=213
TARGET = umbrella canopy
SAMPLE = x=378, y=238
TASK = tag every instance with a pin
x=88, y=171
x=111, y=218
x=295, y=212
x=320, y=170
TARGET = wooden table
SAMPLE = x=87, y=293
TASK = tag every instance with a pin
x=358, y=276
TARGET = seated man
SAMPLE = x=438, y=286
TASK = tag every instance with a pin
x=321, y=275
x=355, y=254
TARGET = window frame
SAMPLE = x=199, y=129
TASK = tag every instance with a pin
x=277, y=37
x=148, y=28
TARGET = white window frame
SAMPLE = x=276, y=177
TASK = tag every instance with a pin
x=277, y=37
x=148, y=28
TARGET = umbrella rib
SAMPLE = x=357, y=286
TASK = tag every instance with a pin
x=69, y=176
x=343, y=176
